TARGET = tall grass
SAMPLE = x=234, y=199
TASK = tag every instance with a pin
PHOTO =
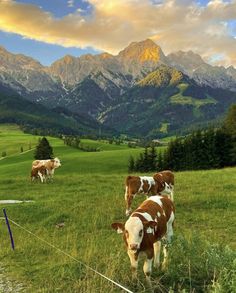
x=87, y=195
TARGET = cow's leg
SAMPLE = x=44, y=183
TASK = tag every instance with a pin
x=50, y=174
x=169, y=234
x=40, y=176
x=147, y=267
x=157, y=252
x=169, y=230
x=165, y=253
x=134, y=263
x=128, y=204
x=172, y=192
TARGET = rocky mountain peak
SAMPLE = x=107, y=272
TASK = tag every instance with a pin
x=188, y=61
x=142, y=52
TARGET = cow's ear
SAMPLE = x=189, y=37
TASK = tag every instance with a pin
x=119, y=227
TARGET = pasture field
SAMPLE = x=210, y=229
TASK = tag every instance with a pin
x=88, y=195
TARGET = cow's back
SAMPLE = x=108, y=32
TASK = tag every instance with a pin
x=160, y=208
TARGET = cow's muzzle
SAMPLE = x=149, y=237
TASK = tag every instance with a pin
x=133, y=247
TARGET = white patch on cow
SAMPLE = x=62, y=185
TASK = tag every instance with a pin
x=134, y=225
x=167, y=189
x=169, y=232
x=133, y=262
x=156, y=199
x=147, y=217
x=165, y=253
x=126, y=192
x=40, y=176
x=157, y=252
x=150, y=181
x=149, y=230
x=158, y=214
x=147, y=268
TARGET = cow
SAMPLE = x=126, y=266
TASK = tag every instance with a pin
x=143, y=231
x=142, y=184
x=50, y=165
x=39, y=172
x=168, y=177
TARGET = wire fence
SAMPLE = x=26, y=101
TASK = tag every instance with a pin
x=63, y=252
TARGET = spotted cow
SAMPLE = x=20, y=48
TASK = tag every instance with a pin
x=50, y=165
x=39, y=172
x=145, y=185
x=143, y=231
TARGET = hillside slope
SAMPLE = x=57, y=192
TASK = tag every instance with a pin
x=167, y=101
x=31, y=116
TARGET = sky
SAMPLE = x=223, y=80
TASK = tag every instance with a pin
x=49, y=29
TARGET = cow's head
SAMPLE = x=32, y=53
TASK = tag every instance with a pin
x=56, y=163
x=162, y=186
x=133, y=231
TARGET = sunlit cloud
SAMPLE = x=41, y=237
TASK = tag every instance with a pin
x=112, y=25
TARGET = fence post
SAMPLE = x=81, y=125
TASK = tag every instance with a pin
x=9, y=229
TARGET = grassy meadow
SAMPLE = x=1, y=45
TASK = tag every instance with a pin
x=88, y=195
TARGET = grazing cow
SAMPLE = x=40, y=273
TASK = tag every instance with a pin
x=142, y=184
x=148, y=224
x=167, y=177
x=39, y=172
x=50, y=165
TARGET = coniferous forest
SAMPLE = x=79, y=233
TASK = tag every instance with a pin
x=202, y=149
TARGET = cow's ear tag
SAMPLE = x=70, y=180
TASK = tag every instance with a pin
x=149, y=230
x=119, y=231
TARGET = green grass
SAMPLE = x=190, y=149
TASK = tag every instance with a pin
x=88, y=195
x=187, y=100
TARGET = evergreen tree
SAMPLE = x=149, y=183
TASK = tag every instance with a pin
x=230, y=127
x=145, y=162
x=160, y=162
x=223, y=148
x=131, y=164
x=152, y=158
x=139, y=163
x=43, y=150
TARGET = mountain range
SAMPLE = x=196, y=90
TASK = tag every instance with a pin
x=140, y=91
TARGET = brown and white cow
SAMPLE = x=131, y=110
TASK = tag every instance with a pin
x=168, y=177
x=143, y=231
x=145, y=185
x=39, y=172
x=50, y=165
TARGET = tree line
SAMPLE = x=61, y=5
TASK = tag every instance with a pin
x=202, y=149
x=74, y=141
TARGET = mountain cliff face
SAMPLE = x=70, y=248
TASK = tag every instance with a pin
x=139, y=85
x=204, y=74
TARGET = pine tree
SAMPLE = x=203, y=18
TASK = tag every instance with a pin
x=152, y=158
x=131, y=164
x=160, y=162
x=230, y=128
x=43, y=150
x=145, y=163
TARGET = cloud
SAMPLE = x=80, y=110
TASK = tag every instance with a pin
x=70, y=3
x=112, y=25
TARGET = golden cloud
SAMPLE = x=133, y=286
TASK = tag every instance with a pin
x=112, y=25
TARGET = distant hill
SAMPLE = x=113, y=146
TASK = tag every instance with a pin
x=37, y=118
x=167, y=101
